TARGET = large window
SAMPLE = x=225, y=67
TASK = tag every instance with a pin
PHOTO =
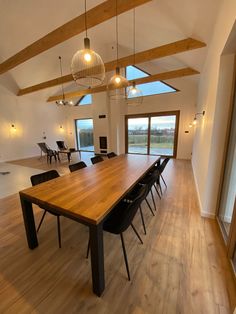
x=85, y=100
x=84, y=134
x=148, y=89
x=154, y=134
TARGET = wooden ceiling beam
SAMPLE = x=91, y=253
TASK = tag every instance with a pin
x=144, y=56
x=152, y=78
x=95, y=16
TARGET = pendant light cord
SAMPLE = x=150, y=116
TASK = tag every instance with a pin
x=117, y=38
x=62, y=87
x=134, y=33
x=85, y=17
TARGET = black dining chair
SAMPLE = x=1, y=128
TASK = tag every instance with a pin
x=77, y=166
x=162, y=168
x=40, y=178
x=111, y=155
x=96, y=159
x=121, y=218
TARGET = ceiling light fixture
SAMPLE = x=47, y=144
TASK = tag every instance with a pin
x=63, y=102
x=134, y=95
x=117, y=81
x=87, y=67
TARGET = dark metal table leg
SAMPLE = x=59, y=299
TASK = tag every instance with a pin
x=69, y=156
x=97, y=258
x=30, y=229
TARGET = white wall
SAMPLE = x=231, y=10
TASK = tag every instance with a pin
x=33, y=119
x=213, y=97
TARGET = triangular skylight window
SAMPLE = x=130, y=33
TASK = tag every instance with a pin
x=153, y=88
x=85, y=100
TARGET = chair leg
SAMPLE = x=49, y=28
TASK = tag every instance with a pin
x=153, y=200
x=163, y=180
x=157, y=191
x=125, y=256
x=136, y=232
x=149, y=206
x=59, y=231
x=141, y=213
x=159, y=184
x=88, y=248
x=41, y=220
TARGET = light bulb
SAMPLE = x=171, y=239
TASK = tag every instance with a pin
x=87, y=57
x=133, y=90
x=190, y=125
x=117, y=79
x=195, y=121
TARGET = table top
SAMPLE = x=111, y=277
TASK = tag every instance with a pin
x=90, y=193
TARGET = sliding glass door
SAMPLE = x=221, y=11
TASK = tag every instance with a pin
x=154, y=134
x=138, y=135
x=162, y=135
x=84, y=134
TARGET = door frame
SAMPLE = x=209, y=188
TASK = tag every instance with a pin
x=149, y=116
x=76, y=134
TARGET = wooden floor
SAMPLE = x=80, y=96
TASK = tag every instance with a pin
x=181, y=268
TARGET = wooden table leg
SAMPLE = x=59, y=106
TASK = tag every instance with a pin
x=97, y=258
x=30, y=229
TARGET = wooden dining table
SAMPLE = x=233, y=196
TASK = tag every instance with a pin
x=87, y=196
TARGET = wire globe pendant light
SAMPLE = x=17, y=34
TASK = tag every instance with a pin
x=117, y=82
x=87, y=67
x=63, y=102
x=134, y=95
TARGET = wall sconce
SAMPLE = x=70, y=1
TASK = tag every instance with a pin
x=195, y=118
x=13, y=128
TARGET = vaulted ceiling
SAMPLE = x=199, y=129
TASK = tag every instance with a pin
x=158, y=22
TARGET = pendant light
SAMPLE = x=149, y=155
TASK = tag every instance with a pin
x=87, y=67
x=134, y=95
x=63, y=102
x=117, y=81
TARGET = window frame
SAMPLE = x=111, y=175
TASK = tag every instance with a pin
x=149, y=116
x=76, y=135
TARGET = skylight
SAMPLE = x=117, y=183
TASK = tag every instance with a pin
x=86, y=100
x=153, y=88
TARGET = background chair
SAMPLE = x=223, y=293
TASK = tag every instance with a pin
x=111, y=155
x=96, y=159
x=61, y=145
x=77, y=166
x=162, y=168
x=40, y=178
x=49, y=152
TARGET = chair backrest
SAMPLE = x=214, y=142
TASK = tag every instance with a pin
x=163, y=164
x=77, y=166
x=111, y=155
x=96, y=159
x=61, y=145
x=44, y=147
x=123, y=214
x=44, y=176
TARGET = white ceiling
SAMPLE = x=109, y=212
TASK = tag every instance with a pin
x=157, y=22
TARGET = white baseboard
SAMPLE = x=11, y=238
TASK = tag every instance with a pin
x=208, y=215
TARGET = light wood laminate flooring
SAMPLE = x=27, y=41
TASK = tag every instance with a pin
x=181, y=268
